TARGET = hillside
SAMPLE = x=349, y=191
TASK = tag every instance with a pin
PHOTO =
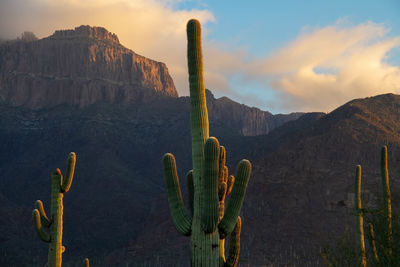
x=300, y=196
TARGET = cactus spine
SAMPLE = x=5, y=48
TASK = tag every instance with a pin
x=208, y=182
x=59, y=186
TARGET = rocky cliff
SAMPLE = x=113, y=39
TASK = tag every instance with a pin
x=81, y=66
x=247, y=121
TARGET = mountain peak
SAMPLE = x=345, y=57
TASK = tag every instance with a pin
x=83, y=66
x=86, y=31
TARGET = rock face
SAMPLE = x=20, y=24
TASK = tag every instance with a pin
x=88, y=65
x=248, y=121
x=80, y=67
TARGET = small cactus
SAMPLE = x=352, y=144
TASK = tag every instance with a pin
x=59, y=186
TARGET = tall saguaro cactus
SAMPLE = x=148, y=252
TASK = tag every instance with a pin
x=208, y=182
x=59, y=186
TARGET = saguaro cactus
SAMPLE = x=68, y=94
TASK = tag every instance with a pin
x=59, y=186
x=386, y=199
x=359, y=219
x=384, y=223
x=208, y=182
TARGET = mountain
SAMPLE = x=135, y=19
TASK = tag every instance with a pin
x=88, y=65
x=307, y=183
x=299, y=196
x=301, y=193
x=81, y=66
x=80, y=90
x=72, y=91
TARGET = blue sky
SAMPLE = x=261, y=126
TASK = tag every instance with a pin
x=280, y=56
x=263, y=27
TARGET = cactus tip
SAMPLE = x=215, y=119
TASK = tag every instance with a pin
x=35, y=213
x=57, y=172
x=193, y=22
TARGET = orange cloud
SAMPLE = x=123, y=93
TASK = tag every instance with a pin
x=148, y=27
x=325, y=68
x=318, y=71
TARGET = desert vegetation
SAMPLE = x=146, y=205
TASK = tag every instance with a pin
x=208, y=182
x=375, y=241
x=54, y=222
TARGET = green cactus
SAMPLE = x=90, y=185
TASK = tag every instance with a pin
x=208, y=182
x=359, y=218
x=385, y=226
x=386, y=199
x=234, y=245
x=59, y=186
x=373, y=244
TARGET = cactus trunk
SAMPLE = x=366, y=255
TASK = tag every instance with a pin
x=205, y=246
x=387, y=199
x=359, y=219
x=55, y=248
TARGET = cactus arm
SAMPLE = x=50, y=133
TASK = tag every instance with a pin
x=209, y=197
x=38, y=226
x=225, y=174
x=387, y=198
x=222, y=191
x=359, y=218
x=86, y=262
x=43, y=217
x=222, y=160
x=66, y=184
x=182, y=220
x=231, y=181
x=372, y=243
x=235, y=202
x=189, y=183
x=234, y=245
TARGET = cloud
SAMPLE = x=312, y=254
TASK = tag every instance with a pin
x=318, y=71
x=152, y=28
x=327, y=67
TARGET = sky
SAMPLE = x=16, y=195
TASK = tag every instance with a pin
x=280, y=56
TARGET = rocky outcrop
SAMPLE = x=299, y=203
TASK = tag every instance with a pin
x=80, y=67
x=245, y=120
